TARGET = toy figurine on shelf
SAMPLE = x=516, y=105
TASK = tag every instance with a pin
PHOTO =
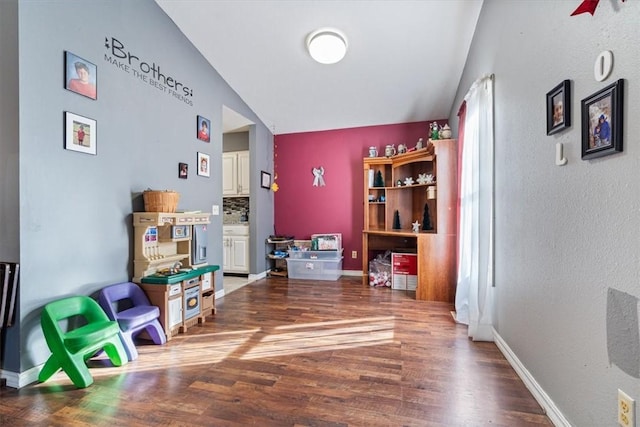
x=419, y=144
x=435, y=131
x=426, y=218
x=396, y=220
x=379, y=181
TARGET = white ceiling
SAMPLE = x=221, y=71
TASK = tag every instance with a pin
x=403, y=65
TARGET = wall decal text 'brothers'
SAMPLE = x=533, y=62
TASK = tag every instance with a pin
x=147, y=73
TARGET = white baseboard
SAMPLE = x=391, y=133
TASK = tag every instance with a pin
x=254, y=277
x=19, y=380
x=530, y=382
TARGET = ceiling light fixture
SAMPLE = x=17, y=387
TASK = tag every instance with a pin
x=327, y=45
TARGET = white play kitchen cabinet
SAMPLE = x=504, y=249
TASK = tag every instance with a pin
x=235, y=249
x=170, y=269
x=235, y=173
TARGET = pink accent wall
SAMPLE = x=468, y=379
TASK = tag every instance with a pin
x=302, y=209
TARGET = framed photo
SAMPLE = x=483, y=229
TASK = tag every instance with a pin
x=80, y=133
x=203, y=164
x=183, y=170
x=559, y=108
x=80, y=76
x=602, y=121
x=265, y=180
x=204, y=129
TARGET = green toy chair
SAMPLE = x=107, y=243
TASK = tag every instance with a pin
x=71, y=349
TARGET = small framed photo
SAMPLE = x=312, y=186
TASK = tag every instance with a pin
x=80, y=76
x=80, y=133
x=559, y=108
x=204, y=129
x=602, y=115
x=183, y=170
x=265, y=179
x=203, y=164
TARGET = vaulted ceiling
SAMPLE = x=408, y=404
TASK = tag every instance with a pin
x=403, y=64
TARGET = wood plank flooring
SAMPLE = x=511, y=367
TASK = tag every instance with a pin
x=297, y=353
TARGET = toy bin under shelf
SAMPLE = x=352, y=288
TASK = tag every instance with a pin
x=314, y=269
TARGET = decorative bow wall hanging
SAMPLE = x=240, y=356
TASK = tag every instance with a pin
x=318, y=180
x=587, y=6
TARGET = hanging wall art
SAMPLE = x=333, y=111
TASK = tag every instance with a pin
x=80, y=133
x=602, y=115
x=265, y=180
x=80, y=76
x=559, y=108
x=318, y=177
x=587, y=6
x=183, y=170
x=203, y=164
x=204, y=129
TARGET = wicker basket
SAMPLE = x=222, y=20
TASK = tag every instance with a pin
x=160, y=201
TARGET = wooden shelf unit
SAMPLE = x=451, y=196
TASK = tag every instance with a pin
x=436, y=248
x=374, y=216
x=277, y=265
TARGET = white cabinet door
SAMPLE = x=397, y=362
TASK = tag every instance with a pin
x=235, y=249
x=240, y=254
x=244, y=182
x=229, y=174
x=206, y=282
x=175, y=312
x=235, y=173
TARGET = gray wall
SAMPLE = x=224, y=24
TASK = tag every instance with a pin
x=9, y=161
x=236, y=141
x=75, y=225
x=567, y=262
x=261, y=215
x=9, y=156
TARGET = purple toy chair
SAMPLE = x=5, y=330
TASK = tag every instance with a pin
x=127, y=304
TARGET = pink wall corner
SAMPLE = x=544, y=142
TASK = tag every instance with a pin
x=302, y=209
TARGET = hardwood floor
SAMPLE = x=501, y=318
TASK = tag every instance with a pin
x=297, y=353
x=233, y=283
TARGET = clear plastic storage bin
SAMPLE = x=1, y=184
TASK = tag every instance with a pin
x=314, y=269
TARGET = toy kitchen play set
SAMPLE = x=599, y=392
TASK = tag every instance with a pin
x=170, y=264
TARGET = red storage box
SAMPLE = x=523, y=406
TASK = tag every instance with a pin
x=404, y=271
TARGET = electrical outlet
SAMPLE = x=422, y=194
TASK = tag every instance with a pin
x=626, y=410
x=354, y=254
x=215, y=209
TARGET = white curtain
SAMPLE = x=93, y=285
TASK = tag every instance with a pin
x=474, y=293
